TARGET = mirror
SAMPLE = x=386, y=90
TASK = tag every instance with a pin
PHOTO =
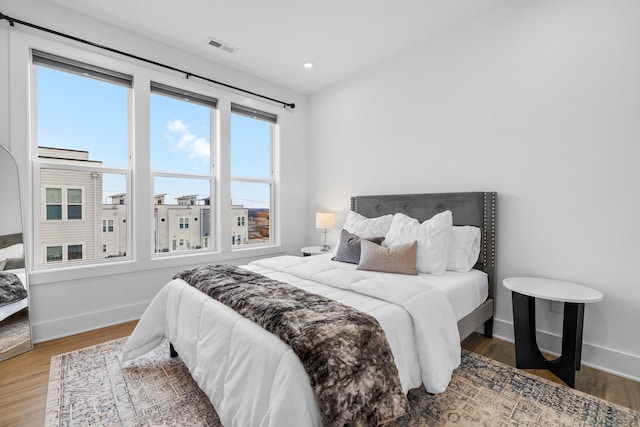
x=15, y=330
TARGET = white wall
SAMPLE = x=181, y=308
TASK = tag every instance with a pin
x=537, y=100
x=84, y=299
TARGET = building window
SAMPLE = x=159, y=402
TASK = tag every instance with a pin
x=104, y=248
x=81, y=156
x=74, y=203
x=107, y=226
x=252, y=175
x=54, y=253
x=74, y=252
x=181, y=138
x=53, y=202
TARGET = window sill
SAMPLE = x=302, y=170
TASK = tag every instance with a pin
x=44, y=276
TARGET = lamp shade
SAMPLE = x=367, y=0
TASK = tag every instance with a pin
x=325, y=220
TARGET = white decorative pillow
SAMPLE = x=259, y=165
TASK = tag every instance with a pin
x=432, y=235
x=464, y=248
x=366, y=228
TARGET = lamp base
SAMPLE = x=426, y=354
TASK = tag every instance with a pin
x=325, y=248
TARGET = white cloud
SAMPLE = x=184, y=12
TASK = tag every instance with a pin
x=196, y=147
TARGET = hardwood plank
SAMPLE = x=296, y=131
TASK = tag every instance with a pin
x=24, y=378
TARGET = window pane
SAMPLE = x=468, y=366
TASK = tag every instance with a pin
x=82, y=122
x=250, y=147
x=54, y=212
x=250, y=213
x=85, y=116
x=74, y=252
x=54, y=195
x=54, y=253
x=182, y=214
x=74, y=212
x=74, y=196
x=180, y=136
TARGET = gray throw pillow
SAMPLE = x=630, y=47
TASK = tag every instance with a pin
x=349, y=247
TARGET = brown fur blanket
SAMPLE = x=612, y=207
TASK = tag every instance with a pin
x=344, y=351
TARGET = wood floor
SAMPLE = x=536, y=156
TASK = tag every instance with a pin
x=24, y=378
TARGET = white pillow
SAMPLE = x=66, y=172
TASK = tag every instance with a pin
x=433, y=237
x=464, y=248
x=366, y=228
x=13, y=251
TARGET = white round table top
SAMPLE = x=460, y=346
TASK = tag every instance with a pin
x=554, y=290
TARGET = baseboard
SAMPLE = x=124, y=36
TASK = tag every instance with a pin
x=72, y=325
x=601, y=358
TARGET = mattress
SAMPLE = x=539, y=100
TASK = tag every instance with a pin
x=465, y=291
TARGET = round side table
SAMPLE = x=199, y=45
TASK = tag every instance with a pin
x=524, y=291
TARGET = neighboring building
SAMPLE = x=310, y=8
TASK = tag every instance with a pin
x=76, y=225
x=114, y=227
x=71, y=208
x=239, y=225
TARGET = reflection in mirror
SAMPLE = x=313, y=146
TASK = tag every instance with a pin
x=15, y=330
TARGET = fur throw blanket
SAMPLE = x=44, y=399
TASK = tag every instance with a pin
x=344, y=351
x=11, y=288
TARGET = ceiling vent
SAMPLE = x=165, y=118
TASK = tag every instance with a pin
x=220, y=45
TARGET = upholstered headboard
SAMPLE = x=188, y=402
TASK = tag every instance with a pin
x=474, y=208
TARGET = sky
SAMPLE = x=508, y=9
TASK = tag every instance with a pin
x=82, y=113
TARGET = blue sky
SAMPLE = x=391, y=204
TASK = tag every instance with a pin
x=81, y=113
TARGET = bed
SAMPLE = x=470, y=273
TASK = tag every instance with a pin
x=254, y=378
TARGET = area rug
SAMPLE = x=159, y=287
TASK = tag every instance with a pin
x=14, y=330
x=93, y=387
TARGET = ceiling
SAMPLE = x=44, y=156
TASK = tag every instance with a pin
x=272, y=39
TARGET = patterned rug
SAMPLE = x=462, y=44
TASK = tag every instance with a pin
x=92, y=387
x=14, y=330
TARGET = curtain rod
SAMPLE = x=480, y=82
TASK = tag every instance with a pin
x=13, y=21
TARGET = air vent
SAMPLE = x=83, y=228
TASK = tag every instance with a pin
x=220, y=45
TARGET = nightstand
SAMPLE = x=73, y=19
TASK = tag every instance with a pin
x=524, y=291
x=313, y=250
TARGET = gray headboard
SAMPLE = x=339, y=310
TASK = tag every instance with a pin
x=474, y=208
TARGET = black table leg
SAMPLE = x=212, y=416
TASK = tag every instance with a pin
x=528, y=355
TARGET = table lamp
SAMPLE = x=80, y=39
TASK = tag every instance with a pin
x=325, y=220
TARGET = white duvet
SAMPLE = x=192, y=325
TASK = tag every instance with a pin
x=255, y=379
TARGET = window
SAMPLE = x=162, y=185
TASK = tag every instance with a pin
x=83, y=126
x=80, y=157
x=74, y=252
x=107, y=226
x=54, y=203
x=252, y=180
x=74, y=203
x=181, y=135
x=54, y=253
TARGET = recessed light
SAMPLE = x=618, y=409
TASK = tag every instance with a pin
x=308, y=64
